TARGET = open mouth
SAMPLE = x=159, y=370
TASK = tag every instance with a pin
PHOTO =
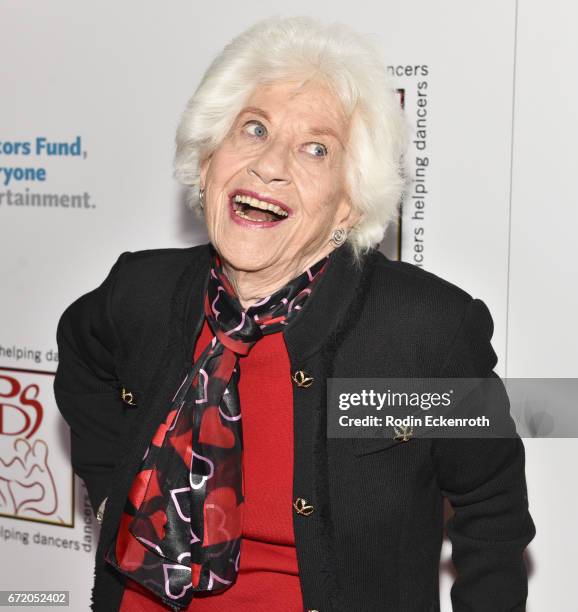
x=259, y=211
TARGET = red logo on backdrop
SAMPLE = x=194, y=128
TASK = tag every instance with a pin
x=20, y=410
x=36, y=481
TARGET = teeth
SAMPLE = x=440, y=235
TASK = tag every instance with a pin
x=240, y=213
x=260, y=204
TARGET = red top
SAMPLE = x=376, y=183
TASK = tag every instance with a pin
x=268, y=574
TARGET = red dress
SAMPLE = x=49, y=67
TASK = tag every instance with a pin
x=268, y=575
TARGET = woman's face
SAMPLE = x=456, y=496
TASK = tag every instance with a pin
x=287, y=145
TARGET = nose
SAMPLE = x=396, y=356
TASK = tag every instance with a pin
x=272, y=163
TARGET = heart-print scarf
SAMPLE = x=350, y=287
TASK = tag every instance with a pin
x=181, y=527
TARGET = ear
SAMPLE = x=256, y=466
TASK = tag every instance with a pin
x=204, y=168
x=348, y=216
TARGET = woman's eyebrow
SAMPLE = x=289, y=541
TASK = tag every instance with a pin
x=256, y=111
x=315, y=131
x=325, y=131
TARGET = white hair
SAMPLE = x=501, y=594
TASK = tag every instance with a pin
x=292, y=48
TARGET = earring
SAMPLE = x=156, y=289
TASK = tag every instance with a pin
x=202, y=198
x=338, y=237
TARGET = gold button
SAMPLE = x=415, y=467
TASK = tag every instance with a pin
x=302, y=379
x=403, y=433
x=302, y=507
x=127, y=397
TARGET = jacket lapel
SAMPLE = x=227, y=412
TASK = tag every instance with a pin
x=321, y=314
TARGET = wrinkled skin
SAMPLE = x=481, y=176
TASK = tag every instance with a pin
x=279, y=156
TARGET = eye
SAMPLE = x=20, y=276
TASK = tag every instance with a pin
x=259, y=129
x=319, y=150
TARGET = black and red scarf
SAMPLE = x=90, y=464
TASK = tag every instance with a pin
x=181, y=527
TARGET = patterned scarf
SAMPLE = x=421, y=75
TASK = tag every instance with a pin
x=181, y=527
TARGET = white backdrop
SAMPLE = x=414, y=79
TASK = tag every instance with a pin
x=111, y=79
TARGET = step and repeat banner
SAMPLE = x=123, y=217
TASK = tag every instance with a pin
x=91, y=94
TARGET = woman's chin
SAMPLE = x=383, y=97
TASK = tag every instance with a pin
x=249, y=259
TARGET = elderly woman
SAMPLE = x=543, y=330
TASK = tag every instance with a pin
x=194, y=380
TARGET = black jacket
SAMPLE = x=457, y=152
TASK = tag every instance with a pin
x=373, y=539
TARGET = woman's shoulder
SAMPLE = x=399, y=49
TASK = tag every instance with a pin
x=157, y=270
x=419, y=297
x=164, y=260
x=146, y=280
x=410, y=278
x=135, y=282
x=432, y=315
